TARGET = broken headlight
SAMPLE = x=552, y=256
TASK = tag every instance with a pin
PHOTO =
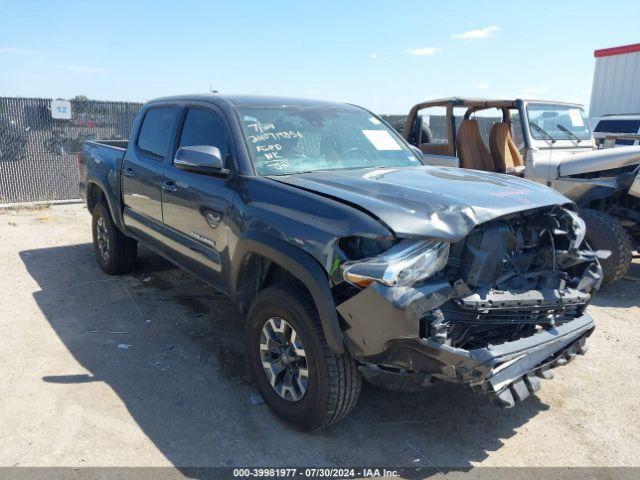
x=402, y=265
x=579, y=228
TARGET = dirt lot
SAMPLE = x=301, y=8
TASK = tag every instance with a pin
x=147, y=369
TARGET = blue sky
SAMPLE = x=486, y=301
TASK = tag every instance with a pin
x=385, y=55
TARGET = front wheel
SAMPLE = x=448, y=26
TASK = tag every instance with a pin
x=297, y=374
x=605, y=233
x=115, y=252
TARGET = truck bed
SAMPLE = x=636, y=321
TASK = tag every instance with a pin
x=119, y=144
x=101, y=158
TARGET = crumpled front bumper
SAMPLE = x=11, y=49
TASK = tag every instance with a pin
x=511, y=371
x=385, y=337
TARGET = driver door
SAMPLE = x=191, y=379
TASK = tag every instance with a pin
x=196, y=206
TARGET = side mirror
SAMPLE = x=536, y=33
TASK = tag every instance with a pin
x=416, y=150
x=204, y=159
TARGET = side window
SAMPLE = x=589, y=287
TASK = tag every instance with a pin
x=203, y=127
x=516, y=129
x=155, y=133
x=618, y=126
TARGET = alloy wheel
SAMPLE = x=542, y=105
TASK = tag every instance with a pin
x=102, y=238
x=284, y=359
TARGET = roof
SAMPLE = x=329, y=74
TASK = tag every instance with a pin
x=621, y=116
x=483, y=102
x=252, y=100
x=608, y=52
x=469, y=101
x=269, y=100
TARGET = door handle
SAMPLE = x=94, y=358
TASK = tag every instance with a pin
x=129, y=172
x=169, y=187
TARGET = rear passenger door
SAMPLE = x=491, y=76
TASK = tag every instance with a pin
x=142, y=170
x=196, y=206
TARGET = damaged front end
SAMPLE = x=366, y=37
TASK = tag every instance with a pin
x=495, y=310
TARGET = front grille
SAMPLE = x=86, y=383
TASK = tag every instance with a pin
x=471, y=328
x=542, y=315
x=612, y=172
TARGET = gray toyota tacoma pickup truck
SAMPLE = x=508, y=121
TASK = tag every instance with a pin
x=349, y=258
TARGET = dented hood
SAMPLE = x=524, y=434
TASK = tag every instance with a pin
x=437, y=202
x=599, y=160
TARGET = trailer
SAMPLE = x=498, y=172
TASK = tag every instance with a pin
x=616, y=81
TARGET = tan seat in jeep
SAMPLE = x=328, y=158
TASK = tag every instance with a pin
x=504, y=151
x=472, y=151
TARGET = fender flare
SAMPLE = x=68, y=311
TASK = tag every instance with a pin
x=116, y=214
x=302, y=266
x=599, y=192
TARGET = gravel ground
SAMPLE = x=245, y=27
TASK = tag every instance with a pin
x=147, y=370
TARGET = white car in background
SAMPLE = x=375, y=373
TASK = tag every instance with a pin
x=616, y=130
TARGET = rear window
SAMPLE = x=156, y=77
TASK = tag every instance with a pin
x=156, y=130
x=618, y=126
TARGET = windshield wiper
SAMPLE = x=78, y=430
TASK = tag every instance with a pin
x=537, y=127
x=569, y=133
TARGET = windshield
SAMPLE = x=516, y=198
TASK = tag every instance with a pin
x=561, y=122
x=287, y=140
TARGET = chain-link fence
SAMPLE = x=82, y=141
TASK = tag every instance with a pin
x=38, y=154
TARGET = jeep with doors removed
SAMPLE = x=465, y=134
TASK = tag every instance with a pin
x=349, y=257
x=548, y=142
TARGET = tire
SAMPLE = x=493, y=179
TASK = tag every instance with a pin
x=399, y=126
x=427, y=136
x=119, y=255
x=333, y=381
x=605, y=233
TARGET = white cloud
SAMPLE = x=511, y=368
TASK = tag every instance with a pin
x=86, y=70
x=533, y=92
x=373, y=56
x=15, y=51
x=484, y=32
x=482, y=85
x=423, y=52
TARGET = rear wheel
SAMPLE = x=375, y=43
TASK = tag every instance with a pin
x=605, y=233
x=115, y=252
x=297, y=374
